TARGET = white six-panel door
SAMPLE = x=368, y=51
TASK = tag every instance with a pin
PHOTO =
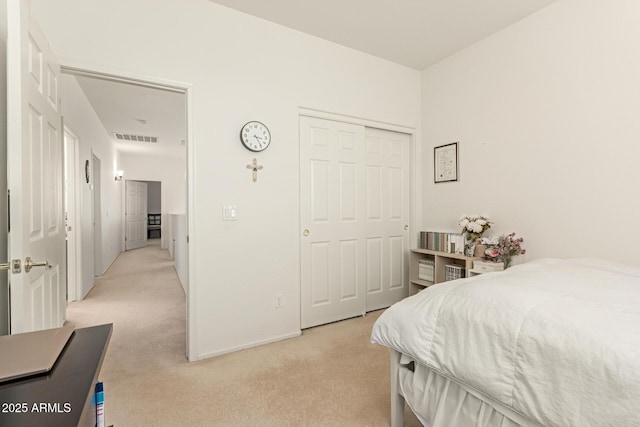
x=34, y=153
x=332, y=205
x=387, y=216
x=354, y=199
x=135, y=215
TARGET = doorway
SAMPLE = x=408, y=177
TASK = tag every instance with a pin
x=143, y=214
x=96, y=215
x=154, y=213
x=142, y=172
x=71, y=209
x=136, y=218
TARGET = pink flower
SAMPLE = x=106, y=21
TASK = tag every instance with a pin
x=492, y=252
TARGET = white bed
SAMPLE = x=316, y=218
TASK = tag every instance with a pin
x=548, y=343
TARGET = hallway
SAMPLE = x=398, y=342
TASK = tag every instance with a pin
x=141, y=295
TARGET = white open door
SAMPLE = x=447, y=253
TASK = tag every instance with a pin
x=135, y=215
x=34, y=157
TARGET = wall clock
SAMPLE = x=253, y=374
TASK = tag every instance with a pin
x=87, y=175
x=255, y=136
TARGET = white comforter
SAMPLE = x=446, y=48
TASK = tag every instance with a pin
x=556, y=340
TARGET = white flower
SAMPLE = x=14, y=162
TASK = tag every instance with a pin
x=475, y=224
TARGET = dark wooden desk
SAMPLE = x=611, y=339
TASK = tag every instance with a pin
x=64, y=396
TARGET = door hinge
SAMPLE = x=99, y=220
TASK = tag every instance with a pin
x=187, y=238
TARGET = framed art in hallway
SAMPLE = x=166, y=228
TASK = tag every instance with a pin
x=445, y=163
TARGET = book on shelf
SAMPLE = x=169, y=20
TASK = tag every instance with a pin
x=442, y=242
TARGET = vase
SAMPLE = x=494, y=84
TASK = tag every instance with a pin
x=469, y=244
x=479, y=249
x=506, y=261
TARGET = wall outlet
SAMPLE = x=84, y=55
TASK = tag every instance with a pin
x=279, y=301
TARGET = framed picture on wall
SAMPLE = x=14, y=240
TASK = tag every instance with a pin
x=445, y=163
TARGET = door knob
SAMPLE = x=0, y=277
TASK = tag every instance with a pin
x=406, y=227
x=29, y=264
x=305, y=233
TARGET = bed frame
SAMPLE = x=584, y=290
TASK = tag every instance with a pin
x=397, y=399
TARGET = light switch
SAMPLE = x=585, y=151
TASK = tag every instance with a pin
x=229, y=213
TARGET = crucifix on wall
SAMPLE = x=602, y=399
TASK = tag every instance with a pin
x=255, y=167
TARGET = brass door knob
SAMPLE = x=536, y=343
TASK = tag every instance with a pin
x=29, y=264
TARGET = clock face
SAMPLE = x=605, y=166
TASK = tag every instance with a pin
x=255, y=136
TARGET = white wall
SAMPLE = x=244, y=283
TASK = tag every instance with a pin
x=170, y=172
x=241, y=68
x=177, y=237
x=80, y=117
x=546, y=113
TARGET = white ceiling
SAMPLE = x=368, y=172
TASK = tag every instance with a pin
x=416, y=33
x=122, y=107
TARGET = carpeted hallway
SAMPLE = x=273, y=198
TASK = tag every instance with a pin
x=141, y=295
x=330, y=376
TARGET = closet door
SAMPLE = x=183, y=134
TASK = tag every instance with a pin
x=354, y=195
x=332, y=197
x=387, y=216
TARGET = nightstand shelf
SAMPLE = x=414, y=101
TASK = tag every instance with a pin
x=440, y=261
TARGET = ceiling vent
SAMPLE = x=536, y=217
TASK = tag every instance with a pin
x=138, y=138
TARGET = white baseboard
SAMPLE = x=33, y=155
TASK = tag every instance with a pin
x=249, y=345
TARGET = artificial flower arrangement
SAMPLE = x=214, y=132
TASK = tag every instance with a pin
x=502, y=248
x=474, y=225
